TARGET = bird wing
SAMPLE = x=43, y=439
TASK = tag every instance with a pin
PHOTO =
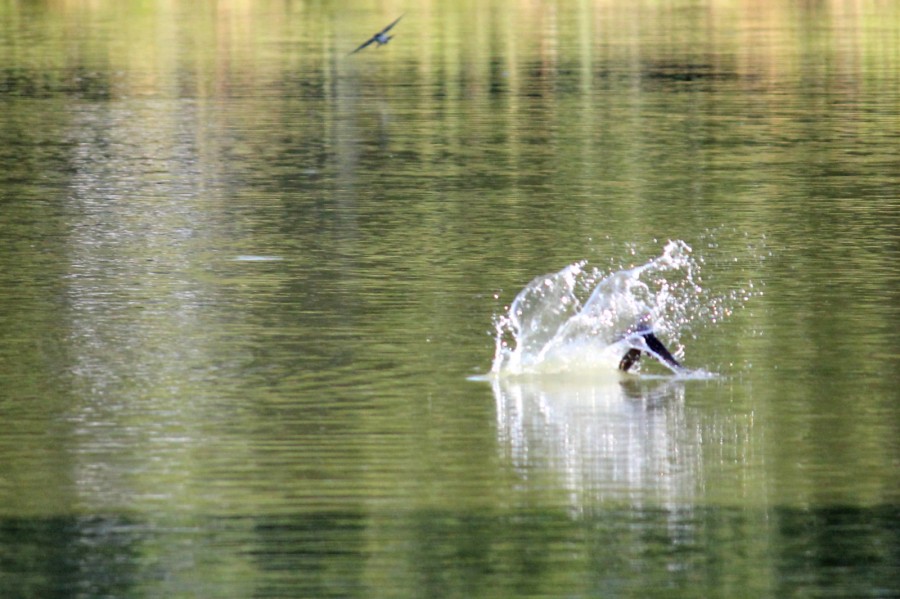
x=366, y=43
x=388, y=28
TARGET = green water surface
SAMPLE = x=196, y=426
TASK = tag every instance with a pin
x=245, y=280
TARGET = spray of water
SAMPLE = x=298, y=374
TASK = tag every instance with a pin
x=583, y=319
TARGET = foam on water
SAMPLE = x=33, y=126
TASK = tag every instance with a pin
x=583, y=319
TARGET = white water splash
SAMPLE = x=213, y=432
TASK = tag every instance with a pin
x=254, y=258
x=582, y=320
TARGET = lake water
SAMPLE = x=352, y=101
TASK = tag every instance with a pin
x=249, y=288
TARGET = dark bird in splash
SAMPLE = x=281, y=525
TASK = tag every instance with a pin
x=381, y=37
x=655, y=348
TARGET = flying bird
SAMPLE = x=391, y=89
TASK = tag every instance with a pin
x=381, y=37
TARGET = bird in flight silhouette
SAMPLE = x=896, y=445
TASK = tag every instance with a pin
x=381, y=37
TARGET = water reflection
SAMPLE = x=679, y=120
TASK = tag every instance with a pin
x=77, y=82
x=705, y=552
x=609, y=440
x=137, y=304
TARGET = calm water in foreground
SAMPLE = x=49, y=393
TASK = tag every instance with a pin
x=246, y=282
